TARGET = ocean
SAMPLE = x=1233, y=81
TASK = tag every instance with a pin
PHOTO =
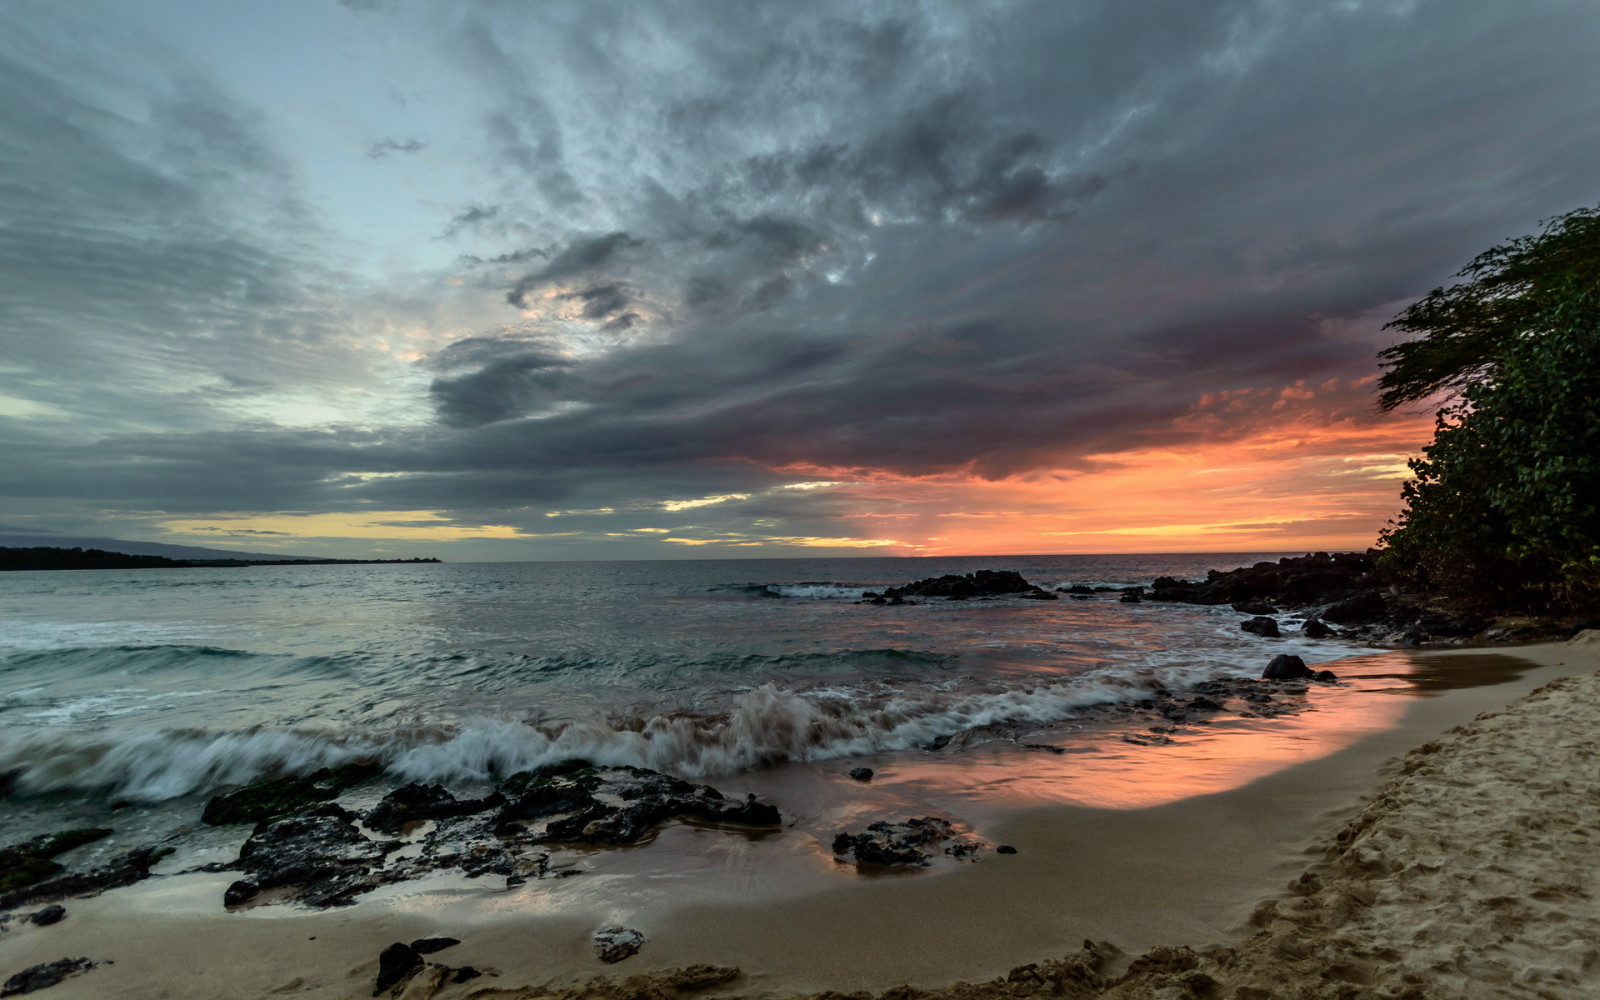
x=159, y=687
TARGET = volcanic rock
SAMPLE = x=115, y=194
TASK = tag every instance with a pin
x=264, y=800
x=1285, y=667
x=45, y=974
x=613, y=944
x=1262, y=626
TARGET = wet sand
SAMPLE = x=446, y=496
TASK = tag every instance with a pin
x=1134, y=849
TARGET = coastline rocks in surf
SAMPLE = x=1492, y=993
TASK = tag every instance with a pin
x=1314, y=629
x=861, y=773
x=1343, y=588
x=983, y=583
x=578, y=802
x=124, y=869
x=45, y=974
x=1286, y=667
x=1361, y=609
x=320, y=858
x=417, y=802
x=52, y=914
x=914, y=842
x=1263, y=626
x=29, y=862
x=1254, y=608
x=1318, y=578
x=274, y=797
x=613, y=944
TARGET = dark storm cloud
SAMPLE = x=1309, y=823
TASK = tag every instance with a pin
x=484, y=380
x=582, y=256
x=911, y=239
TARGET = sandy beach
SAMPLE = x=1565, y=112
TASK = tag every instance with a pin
x=1459, y=868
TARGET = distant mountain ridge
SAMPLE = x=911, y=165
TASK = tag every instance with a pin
x=18, y=541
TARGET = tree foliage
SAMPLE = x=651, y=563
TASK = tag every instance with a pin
x=1467, y=328
x=1504, y=511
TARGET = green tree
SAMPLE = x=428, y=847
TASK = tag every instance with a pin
x=1504, y=511
x=1467, y=328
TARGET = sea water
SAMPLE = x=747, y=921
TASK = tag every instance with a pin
x=143, y=686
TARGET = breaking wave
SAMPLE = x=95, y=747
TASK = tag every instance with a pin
x=762, y=725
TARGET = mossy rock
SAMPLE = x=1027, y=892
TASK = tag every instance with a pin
x=573, y=768
x=29, y=862
x=264, y=800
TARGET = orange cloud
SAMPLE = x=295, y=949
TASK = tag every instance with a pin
x=1293, y=467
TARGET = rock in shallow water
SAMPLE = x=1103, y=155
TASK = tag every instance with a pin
x=1262, y=626
x=887, y=844
x=264, y=800
x=861, y=773
x=1286, y=667
x=617, y=805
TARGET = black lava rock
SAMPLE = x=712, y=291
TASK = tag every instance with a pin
x=396, y=964
x=620, y=805
x=887, y=844
x=613, y=944
x=1314, y=629
x=427, y=946
x=1254, y=608
x=45, y=974
x=416, y=802
x=124, y=869
x=52, y=914
x=1262, y=626
x=29, y=862
x=1358, y=610
x=264, y=800
x=983, y=583
x=861, y=773
x=1285, y=667
x=1005, y=849
x=323, y=857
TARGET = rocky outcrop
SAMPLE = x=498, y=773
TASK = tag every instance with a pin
x=1286, y=667
x=274, y=797
x=1319, y=578
x=983, y=583
x=124, y=869
x=321, y=858
x=1261, y=625
x=31, y=861
x=415, y=803
x=913, y=842
x=577, y=802
x=45, y=974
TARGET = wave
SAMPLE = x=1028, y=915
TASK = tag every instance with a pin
x=812, y=590
x=757, y=727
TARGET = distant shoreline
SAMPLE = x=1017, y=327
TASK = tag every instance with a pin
x=54, y=558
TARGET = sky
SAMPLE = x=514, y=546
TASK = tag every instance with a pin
x=615, y=279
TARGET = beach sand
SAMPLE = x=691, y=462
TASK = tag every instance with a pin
x=1459, y=869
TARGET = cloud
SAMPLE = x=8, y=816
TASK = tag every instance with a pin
x=388, y=147
x=708, y=249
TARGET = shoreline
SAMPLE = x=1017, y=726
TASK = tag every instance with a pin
x=1187, y=872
